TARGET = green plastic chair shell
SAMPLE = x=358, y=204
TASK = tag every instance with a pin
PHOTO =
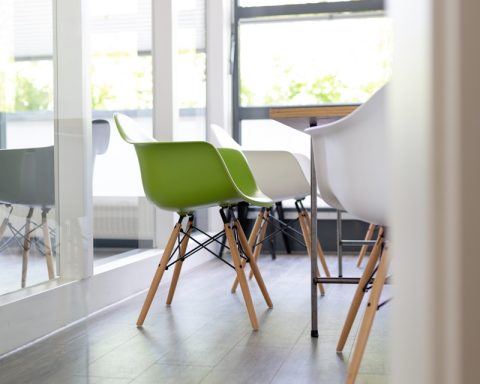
x=183, y=176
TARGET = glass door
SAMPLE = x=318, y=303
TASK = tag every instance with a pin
x=121, y=82
x=28, y=233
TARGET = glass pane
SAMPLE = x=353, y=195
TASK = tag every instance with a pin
x=121, y=81
x=314, y=61
x=28, y=236
x=191, y=60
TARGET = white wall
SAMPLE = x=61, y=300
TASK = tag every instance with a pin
x=434, y=138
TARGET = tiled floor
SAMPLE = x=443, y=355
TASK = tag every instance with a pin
x=205, y=336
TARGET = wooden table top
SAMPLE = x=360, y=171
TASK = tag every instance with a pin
x=307, y=116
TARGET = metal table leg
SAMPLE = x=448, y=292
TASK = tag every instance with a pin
x=339, y=243
x=313, y=259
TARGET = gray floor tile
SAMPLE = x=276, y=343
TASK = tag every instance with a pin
x=172, y=374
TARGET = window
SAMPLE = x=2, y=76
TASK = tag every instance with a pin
x=292, y=53
x=191, y=60
x=26, y=124
x=313, y=61
x=121, y=81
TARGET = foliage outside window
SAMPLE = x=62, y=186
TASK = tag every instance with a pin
x=121, y=80
x=302, y=62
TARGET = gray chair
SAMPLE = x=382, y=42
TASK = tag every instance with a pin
x=100, y=137
x=28, y=179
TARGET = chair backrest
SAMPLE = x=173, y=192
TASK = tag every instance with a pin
x=130, y=131
x=304, y=163
x=240, y=170
x=350, y=161
x=27, y=176
x=221, y=139
x=100, y=136
x=278, y=173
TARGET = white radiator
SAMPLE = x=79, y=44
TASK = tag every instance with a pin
x=129, y=218
x=122, y=218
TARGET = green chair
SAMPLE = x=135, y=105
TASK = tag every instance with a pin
x=185, y=176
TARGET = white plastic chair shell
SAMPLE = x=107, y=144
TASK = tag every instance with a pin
x=350, y=161
x=289, y=183
x=219, y=138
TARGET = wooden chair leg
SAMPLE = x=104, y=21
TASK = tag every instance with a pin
x=242, y=279
x=26, y=247
x=48, y=246
x=159, y=273
x=303, y=219
x=3, y=227
x=368, y=318
x=320, y=253
x=253, y=263
x=359, y=293
x=179, y=263
x=363, y=250
x=261, y=238
x=257, y=227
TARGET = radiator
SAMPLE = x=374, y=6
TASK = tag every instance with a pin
x=127, y=218
x=122, y=218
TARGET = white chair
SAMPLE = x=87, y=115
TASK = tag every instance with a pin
x=350, y=161
x=280, y=176
x=28, y=180
x=351, y=168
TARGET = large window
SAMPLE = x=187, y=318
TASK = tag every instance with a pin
x=292, y=53
x=313, y=61
x=191, y=60
x=28, y=233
